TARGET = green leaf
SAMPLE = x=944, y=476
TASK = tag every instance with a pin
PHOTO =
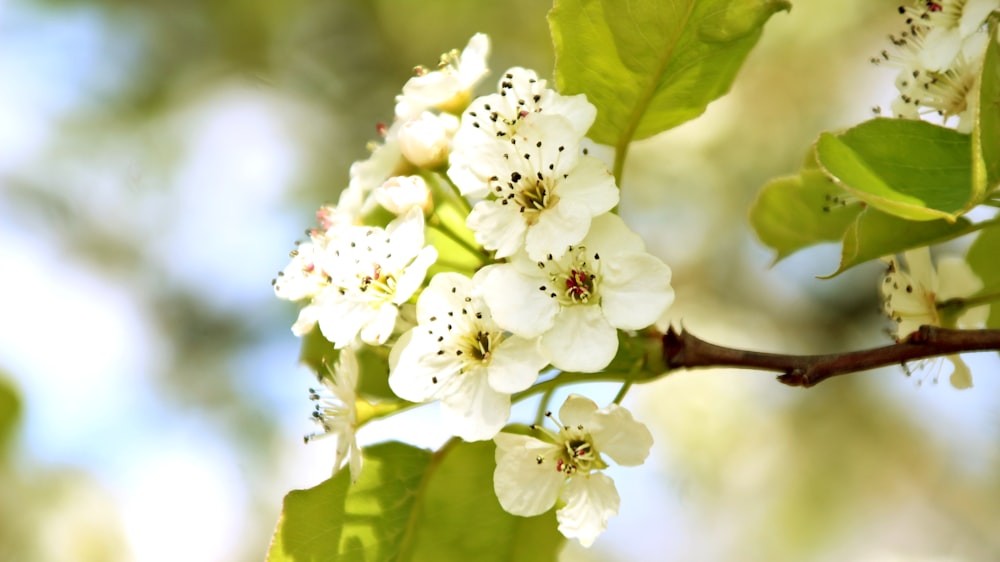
x=368, y=521
x=460, y=519
x=876, y=234
x=795, y=212
x=982, y=258
x=649, y=65
x=373, y=363
x=412, y=506
x=912, y=169
x=986, y=134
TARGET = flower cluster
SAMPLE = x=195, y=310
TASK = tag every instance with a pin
x=914, y=293
x=478, y=243
x=939, y=55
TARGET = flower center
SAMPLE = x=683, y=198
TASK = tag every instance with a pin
x=575, y=282
x=376, y=285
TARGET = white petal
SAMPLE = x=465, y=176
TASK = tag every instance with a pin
x=619, y=436
x=516, y=303
x=635, y=291
x=974, y=13
x=961, y=376
x=919, y=267
x=306, y=320
x=523, y=485
x=558, y=227
x=380, y=327
x=609, y=235
x=577, y=410
x=414, y=274
x=581, y=340
x=473, y=410
x=515, y=364
x=590, y=500
x=956, y=279
x=497, y=227
x=341, y=320
x=444, y=293
x=940, y=47
x=418, y=374
x=472, y=65
x=591, y=184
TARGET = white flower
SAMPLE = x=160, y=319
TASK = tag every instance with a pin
x=458, y=355
x=426, y=139
x=577, y=302
x=399, y=194
x=450, y=87
x=491, y=121
x=940, y=57
x=302, y=279
x=372, y=271
x=336, y=412
x=531, y=474
x=949, y=23
x=911, y=297
x=543, y=193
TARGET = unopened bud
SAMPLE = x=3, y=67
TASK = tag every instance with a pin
x=426, y=140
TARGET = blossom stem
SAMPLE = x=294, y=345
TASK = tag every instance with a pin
x=684, y=350
x=438, y=225
x=969, y=302
x=624, y=390
x=569, y=378
x=543, y=405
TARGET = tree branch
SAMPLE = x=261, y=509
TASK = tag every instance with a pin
x=682, y=350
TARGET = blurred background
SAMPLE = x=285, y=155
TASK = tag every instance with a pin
x=159, y=159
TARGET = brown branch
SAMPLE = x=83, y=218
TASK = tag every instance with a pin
x=682, y=350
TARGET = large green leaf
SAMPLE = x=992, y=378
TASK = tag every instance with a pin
x=876, y=234
x=649, y=65
x=912, y=169
x=986, y=134
x=460, y=519
x=368, y=521
x=412, y=506
x=795, y=212
x=982, y=258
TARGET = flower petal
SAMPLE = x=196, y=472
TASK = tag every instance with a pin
x=635, y=291
x=577, y=410
x=515, y=364
x=590, y=500
x=558, y=227
x=523, y=485
x=961, y=376
x=618, y=435
x=581, y=340
x=497, y=227
x=516, y=302
x=472, y=409
x=591, y=184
